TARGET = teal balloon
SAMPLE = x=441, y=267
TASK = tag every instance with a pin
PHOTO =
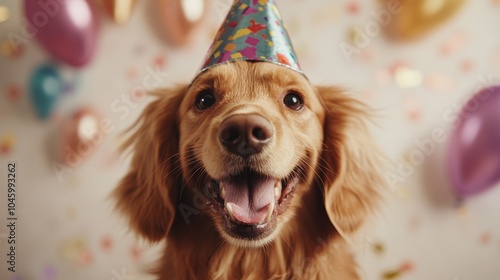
x=46, y=88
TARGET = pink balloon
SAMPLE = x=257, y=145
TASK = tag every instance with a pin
x=474, y=152
x=67, y=29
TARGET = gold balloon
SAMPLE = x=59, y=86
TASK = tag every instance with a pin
x=179, y=18
x=119, y=10
x=413, y=19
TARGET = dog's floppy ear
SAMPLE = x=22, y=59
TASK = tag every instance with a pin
x=351, y=162
x=147, y=194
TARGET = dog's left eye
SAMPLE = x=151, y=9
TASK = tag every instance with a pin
x=205, y=100
x=293, y=101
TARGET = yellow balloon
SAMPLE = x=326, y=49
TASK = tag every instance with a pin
x=118, y=10
x=415, y=18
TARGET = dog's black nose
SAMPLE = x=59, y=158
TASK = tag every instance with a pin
x=245, y=135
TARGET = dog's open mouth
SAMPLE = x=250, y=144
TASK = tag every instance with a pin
x=249, y=202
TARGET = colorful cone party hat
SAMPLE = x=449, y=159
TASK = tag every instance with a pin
x=252, y=31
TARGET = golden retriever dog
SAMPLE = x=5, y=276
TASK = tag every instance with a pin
x=251, y=172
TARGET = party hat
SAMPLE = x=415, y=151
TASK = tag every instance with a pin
x=253, y=31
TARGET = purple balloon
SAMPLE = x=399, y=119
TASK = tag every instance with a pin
x=474, y=152
x=67, y=29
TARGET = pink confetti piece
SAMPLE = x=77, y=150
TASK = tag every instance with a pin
x=383, y=77
x=485, y=238
x=367, y=56
x=353, y=8
x=85, y=258
x=413, y=108
x=13, y=93
x=407, y=266
x=136, y=253
x=132, y=73
x=454, y=44
x=106, y=243
x=159, y=62
x=415, y=223
x=439, y=82
x=138, y=94
x=467, y=66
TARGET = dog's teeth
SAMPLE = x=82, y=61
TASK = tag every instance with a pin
x=230, y=210
x=222, y=191
x=270, y=211
x=277, y=190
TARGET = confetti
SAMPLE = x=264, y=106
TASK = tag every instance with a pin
x=4, y=14
x=415, y=223
x=407, y=266
x=406, y=77
x=73, y=248
x=49, y=273
x=135, y=253
x=413, y=108
x=467, y=66
x=138, y=94
x=378, y=248
x=353, y=34
x=9, y=50
x=132, y=73
x=106, y=243
x=383, y=77
x=454, y=44
x=85, y=258
x=159, y=62
x=13, y=93
x=485, y=238
x=463, y=212
x=439, y=82
x=7, y=143
x=353, y=8
x=367, y=56
x=392, y=274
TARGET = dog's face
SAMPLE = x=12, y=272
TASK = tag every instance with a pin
x=250, y=137
x=254, y=139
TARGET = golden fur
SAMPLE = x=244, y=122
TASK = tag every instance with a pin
x=175, y=152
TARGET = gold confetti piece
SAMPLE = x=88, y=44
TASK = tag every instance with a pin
x=378, y=248
x=4, y=14
x=390, y=275
x=72, y=249
x=353, y=34
x=463, y=212
x=406, y=77
x=7, y=143
x=9, y=50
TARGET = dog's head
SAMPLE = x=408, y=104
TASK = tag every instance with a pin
x=251, y=139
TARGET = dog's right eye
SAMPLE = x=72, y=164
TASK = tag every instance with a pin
x=205, y=100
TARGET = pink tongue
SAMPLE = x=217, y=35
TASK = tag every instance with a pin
x=250, y=196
